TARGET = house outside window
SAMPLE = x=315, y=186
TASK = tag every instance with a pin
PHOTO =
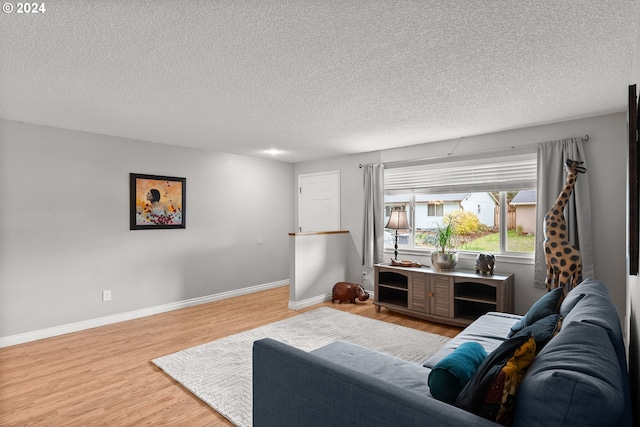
x=473, y=194
x=435, y=209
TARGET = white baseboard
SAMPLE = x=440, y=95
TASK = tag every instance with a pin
x=121, y=317
x=297, y=305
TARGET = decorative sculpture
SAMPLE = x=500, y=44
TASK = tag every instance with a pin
x=345, y=291
x=564, y=263
x=485, y=264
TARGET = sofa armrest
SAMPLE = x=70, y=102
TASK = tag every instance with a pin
x=294, y=388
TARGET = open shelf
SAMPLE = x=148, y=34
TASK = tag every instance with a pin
x=471, y=310
x=478, y=292
x=393, y=295
x=392, y=279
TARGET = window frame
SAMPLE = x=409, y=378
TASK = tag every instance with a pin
x=503, y=188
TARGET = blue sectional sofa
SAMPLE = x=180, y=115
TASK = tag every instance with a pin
x=579, y=378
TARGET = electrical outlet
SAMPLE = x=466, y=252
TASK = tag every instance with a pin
x=106, y=295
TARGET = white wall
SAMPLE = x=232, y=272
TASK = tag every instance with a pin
x=64, y=226
x=606, y=153
x=317, y=261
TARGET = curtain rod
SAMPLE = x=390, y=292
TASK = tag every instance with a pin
x=451, y=156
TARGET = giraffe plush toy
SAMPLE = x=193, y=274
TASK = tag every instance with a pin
x=564, y=263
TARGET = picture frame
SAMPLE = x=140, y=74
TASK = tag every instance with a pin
x=156, y=202
x=634, y=208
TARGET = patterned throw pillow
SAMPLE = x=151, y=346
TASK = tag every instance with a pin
x=491, y=393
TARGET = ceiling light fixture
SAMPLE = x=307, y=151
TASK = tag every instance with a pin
x=274, y=152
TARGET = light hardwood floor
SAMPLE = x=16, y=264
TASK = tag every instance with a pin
x=104, y=376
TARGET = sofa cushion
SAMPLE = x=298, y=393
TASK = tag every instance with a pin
x=408, y=375
x=590, y=302
x=573, y=381
x=543, y=330
x=548, y=304
x=492, y=390
x=591, y=287
x=451, y=374
x=489, y=330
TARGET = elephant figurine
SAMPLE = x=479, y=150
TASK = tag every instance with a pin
x=485, y=264
x=345, y=291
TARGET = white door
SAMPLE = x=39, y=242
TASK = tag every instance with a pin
x=319, y=202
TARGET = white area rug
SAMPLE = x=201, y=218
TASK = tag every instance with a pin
x=220, y=372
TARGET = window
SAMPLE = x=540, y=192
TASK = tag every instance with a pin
x=434, y=209
x=493, y=203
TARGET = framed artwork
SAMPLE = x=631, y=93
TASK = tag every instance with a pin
x=156, y=202
x=634, y=210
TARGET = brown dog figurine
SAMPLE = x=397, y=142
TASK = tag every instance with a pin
x=345, y=291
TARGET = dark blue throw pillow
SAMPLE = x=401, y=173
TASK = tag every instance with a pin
x=542, y=330
x=449, y=376
x=548, y=304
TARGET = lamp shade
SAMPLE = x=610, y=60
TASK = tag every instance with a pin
x=398, y=221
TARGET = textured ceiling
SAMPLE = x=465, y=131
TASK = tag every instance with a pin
x=314, y=78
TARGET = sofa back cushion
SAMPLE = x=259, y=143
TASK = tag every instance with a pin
x=590, y=302
x=590, y=287
x=573, y=381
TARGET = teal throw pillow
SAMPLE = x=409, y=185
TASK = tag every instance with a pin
x=546, y=305
x=449, y=376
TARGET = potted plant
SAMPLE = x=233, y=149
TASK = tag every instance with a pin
x=445, y=240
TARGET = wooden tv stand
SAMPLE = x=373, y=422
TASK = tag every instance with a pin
x=453, y=297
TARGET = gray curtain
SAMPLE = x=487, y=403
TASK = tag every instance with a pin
x=551, y=180
x=373, y=245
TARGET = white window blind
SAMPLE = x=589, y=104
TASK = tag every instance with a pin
x=507, y=174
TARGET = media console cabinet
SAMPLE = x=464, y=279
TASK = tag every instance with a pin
x=453, y=297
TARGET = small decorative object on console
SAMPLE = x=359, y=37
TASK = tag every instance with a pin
x=405, y=263
x=485, y=264
x=345, y=291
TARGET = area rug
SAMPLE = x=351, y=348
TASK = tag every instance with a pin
x=220, y=372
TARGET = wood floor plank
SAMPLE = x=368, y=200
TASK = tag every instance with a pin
x=104, y=376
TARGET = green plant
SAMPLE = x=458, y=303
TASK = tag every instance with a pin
x=445, y=236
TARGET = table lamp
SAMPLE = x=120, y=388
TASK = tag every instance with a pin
x=397, y=221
